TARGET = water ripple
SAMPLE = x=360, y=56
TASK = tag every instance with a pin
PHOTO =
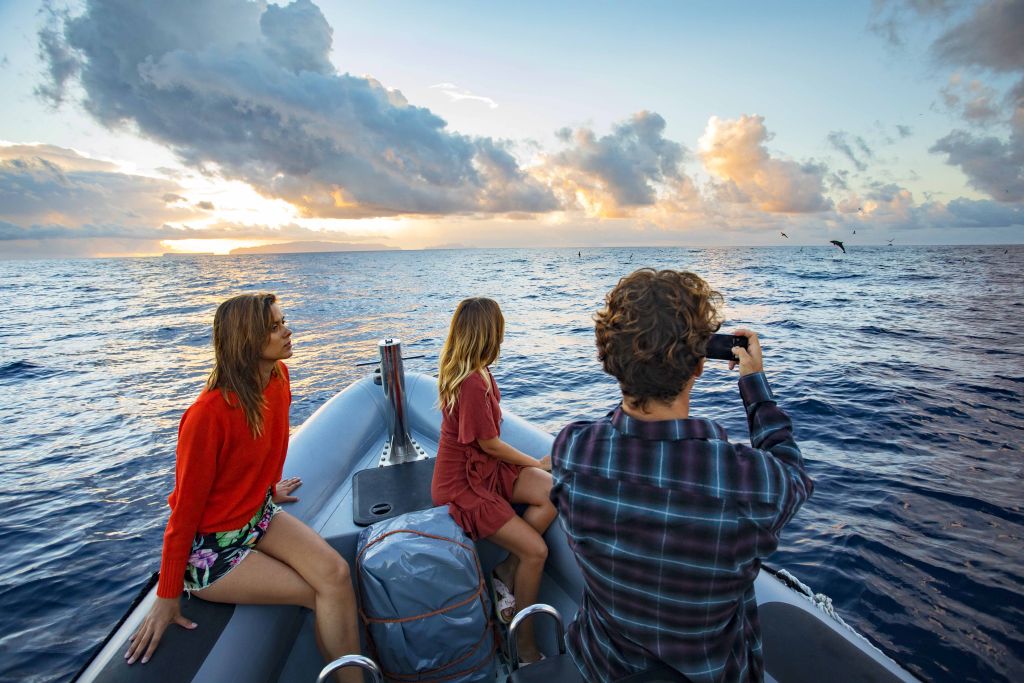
x=909, y=421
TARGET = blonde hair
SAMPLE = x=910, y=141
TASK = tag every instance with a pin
x=241, y=327
x=474, y=340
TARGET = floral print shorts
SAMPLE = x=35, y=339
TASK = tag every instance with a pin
x=215, y=554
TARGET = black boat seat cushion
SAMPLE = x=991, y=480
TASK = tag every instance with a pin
x=380, y=493
x=181, y=653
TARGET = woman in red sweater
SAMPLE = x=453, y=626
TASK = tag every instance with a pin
x=232, y=444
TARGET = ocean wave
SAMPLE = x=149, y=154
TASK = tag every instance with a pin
x=910, y=426
x=21, y=370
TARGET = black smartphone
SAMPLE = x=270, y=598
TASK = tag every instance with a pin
x=720, y=346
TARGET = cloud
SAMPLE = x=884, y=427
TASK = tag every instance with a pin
x=843, y=142
x=734, y=153
x=62, y=64
x=85, y=207
x=222, y=230
x=890, y=17
x=992, y=165
x=968, y=213
x=458, y=94
x=983, y=37
x=44, y=184
x=971, y=99
x=991, y=38
x=274, y=111
x=633, y=166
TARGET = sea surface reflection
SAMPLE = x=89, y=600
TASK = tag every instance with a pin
x=903, y=369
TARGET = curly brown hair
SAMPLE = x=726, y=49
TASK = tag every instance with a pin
x=654, y=330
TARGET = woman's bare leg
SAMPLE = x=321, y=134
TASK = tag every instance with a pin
x=530, y=550
x=533, y=487
x=295, y=566
x=301, y=548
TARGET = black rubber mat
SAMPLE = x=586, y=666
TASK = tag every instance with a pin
x=380, y=493
x=181, y=652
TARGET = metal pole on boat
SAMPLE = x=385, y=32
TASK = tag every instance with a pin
x=392, y=374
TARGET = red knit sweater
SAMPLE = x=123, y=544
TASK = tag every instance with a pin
x=222, y=473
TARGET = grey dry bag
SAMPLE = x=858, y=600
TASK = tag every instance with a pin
x=423, y=600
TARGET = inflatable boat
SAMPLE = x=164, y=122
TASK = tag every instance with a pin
x=367, y=455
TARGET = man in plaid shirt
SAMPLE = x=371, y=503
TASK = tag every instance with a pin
x=668, y=520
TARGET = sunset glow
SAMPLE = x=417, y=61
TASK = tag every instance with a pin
x=475, y=142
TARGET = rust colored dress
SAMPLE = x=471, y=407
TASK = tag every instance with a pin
x=476, y=487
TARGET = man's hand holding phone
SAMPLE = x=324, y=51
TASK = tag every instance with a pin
x=750, y=359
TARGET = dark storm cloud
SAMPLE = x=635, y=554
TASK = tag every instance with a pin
x=249, y=90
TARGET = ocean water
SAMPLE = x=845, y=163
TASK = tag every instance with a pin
x=902, y=368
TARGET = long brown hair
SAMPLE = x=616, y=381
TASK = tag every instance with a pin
x=241, y=327
x=473, y=343
x=653, y=332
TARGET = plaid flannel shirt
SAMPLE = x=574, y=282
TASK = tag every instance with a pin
x=669, y=522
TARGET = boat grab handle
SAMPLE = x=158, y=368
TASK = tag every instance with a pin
x=362, y=662
x=523, y=615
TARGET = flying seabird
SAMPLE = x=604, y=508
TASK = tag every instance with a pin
x=838, y=244
x=784, y=235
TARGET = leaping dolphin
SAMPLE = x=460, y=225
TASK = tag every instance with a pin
x=838, y=244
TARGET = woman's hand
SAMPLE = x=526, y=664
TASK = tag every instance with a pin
x=545, y=463
x=283, y=490
x=164, y=612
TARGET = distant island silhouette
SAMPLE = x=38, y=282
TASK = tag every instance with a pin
x=310, y=247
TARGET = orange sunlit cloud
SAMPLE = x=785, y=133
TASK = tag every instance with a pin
x=734, y=153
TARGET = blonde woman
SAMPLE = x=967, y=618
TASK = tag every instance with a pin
x=479, y=476
x=227, y=540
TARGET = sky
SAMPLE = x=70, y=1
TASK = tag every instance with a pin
x=140, y=127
